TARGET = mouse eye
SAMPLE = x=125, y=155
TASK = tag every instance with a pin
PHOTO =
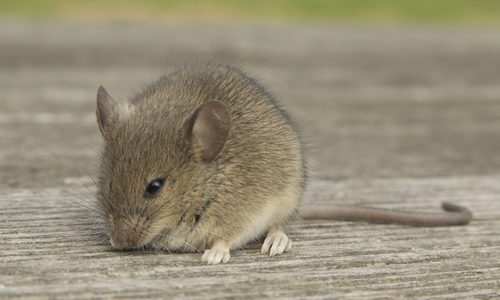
x=154, y=187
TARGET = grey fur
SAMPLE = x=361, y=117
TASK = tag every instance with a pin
x=202, y=201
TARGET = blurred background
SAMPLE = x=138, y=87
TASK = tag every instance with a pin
x=224, y=11
x=380, y=89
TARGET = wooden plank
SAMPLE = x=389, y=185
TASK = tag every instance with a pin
x=52, y=247
x=397, y=118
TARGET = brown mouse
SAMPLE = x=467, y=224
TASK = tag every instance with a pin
x=204, y=159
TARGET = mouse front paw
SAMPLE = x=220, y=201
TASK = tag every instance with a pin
x=219, y=253
x=276, y=242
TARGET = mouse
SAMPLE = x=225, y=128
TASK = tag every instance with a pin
x=205, y=160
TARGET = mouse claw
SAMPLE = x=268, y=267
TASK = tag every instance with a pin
x=276, y=243
x=219, y=253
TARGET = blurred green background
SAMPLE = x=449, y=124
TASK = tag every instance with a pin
x=349, y=11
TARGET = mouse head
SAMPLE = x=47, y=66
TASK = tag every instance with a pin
x=156, y=164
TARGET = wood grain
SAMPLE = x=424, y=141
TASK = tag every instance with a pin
x=53, y=247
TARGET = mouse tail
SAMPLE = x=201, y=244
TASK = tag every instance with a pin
x=453, y=215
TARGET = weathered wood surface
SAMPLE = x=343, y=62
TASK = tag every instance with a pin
x=399, y=119
x=54, y=248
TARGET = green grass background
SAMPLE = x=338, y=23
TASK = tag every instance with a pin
x=382, y=11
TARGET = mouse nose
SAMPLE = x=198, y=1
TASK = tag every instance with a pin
x=127, y=233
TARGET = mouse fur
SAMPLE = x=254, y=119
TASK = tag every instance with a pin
x=251, y=184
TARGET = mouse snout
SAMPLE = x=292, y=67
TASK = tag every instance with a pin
x=128, y=232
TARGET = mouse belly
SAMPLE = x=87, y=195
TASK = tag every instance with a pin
x=275, y=212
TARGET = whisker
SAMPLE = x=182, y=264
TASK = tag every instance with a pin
x=85, y=198
x=90, y=208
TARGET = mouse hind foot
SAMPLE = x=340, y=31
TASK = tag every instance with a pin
x=276, y=241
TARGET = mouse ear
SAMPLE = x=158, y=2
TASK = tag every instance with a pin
x=209, y=129
x=107, y=111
